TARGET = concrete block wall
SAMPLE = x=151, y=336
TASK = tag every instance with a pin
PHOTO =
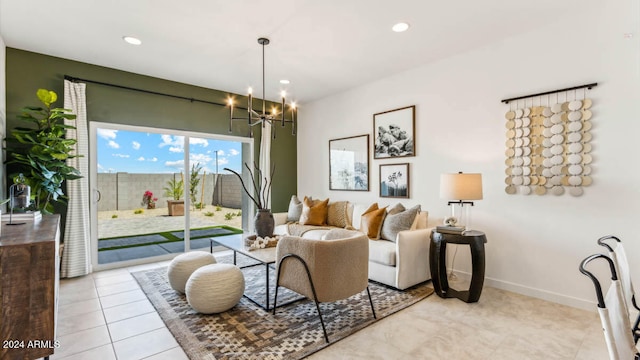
x=123, y=191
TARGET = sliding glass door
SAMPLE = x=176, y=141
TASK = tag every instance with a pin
x=159, y=192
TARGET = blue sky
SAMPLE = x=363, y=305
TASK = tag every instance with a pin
x=142, y=152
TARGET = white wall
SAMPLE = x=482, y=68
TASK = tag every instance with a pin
x=535, y=243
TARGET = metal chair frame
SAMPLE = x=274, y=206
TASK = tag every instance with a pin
x=636, y=326
x=313, y=290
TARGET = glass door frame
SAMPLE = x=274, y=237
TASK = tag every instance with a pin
x=94, y=195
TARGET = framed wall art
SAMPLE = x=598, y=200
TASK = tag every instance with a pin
x=349, y=163
x=393, y=133
x=394, y=180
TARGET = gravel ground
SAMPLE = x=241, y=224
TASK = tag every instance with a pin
x=156, y=220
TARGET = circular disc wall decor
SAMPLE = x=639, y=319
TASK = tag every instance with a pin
x=548, y=149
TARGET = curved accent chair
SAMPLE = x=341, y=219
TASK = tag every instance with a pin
x=326, y=270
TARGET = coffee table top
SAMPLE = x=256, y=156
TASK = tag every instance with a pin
x=236, y=243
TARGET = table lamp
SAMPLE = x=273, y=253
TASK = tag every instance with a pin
x=459, y=189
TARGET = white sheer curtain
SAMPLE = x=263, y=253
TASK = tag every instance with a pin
x=76, y=257
x=265, y=157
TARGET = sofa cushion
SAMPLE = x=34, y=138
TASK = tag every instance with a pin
x=356, y=214
x=337, y=214
x=372, y=219
x=398, y=221
x=334, y=234
x=382, y=252
x=314, y=212
x=295, y=209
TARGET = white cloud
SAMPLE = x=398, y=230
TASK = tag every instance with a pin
x=107, y=133
x=199, y=141
x=153, y=159
x=135, y=145
x=113, y=144
x=176, y=149
x=234, y=152
x=223, y=161
x=141, y=158
x=168, y=140
x=124, y=156
x=200, y=158
x=100, y=167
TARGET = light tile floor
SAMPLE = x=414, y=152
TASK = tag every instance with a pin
x=106, y=316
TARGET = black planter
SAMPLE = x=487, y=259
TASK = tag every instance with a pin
x=263, y=222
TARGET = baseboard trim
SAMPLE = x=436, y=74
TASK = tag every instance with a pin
x=533, y=292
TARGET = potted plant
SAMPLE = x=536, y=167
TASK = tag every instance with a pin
x=149, y=200
x=263, y=221
x=41, y=151
x=175, y=190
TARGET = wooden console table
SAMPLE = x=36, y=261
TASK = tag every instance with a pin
x=29, y=273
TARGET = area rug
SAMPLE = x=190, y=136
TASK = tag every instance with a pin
x=248, y=332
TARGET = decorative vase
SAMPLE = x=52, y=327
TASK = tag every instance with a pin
x=263, y=222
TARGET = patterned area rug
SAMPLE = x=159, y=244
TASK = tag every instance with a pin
x=249, y=332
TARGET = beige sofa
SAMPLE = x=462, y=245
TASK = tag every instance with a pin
x=400, y=264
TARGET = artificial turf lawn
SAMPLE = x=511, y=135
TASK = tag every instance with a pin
x=170, y=237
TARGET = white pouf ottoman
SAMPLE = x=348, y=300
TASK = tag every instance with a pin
x=215, y=288
x=183, y=265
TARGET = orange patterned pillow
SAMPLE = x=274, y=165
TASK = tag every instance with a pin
x=314, y=212
x=372, y=219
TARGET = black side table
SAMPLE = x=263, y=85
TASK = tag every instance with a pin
x=438, y=264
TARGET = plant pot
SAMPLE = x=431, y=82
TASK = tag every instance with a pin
x=263, y=223
x=176, y=207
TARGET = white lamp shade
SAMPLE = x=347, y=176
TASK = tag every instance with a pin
x=461, y=186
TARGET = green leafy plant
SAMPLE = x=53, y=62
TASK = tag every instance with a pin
x=208, y=213
x=114, y=216
x=138, y=211
x=194, y=180
x=218, y=208
x=175, y=188
x=239, y=213
x=229, y=216
x=41, y=151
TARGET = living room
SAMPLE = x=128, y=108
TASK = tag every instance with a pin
x=535, y=242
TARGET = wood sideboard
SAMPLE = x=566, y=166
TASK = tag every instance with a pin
x=29, y=273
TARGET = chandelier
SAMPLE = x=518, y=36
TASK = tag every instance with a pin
x=254, y=118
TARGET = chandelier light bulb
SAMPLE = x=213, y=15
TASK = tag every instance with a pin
x=283, y=93
x=250, y=91
x=230, y=101
x=293, y=105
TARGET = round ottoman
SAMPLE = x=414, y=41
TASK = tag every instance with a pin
x=215, y=288
x=183, y=265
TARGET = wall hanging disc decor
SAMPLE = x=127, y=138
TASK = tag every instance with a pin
x=548, y=149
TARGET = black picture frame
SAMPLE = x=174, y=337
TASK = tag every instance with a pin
x=394, y=133
x=349, y=163
x=395, y=181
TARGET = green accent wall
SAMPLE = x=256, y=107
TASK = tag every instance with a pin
x=27, y=71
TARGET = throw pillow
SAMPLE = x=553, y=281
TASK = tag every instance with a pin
x=295, y=209
x=394, y=223
x=397, y=208
x=314, y=212
x=372, y=219
x=337, y=214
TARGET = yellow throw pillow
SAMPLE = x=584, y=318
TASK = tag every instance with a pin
x=314, y=212
x=372, y=219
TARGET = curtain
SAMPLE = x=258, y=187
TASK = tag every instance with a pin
x=76, y=256
x=265, y=157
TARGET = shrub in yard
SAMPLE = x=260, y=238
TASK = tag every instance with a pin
x=208, y=213
x=114, y=216
x=138, y=211
x=229, y=216
x=218, y=208
x=239, y=213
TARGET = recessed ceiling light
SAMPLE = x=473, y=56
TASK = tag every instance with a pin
x=132, y=40
x=284, y=81
x=400, y=27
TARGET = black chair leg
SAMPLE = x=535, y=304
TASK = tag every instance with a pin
x=371, y=302
x=313, y=289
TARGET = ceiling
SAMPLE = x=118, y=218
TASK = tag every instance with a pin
x=321, y=46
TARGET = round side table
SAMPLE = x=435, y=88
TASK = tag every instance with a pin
x=438, y=263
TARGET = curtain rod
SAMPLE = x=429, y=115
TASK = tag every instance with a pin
x=76, y=79
x=588, y=86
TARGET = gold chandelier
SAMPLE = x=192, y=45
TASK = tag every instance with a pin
x=254, y=118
